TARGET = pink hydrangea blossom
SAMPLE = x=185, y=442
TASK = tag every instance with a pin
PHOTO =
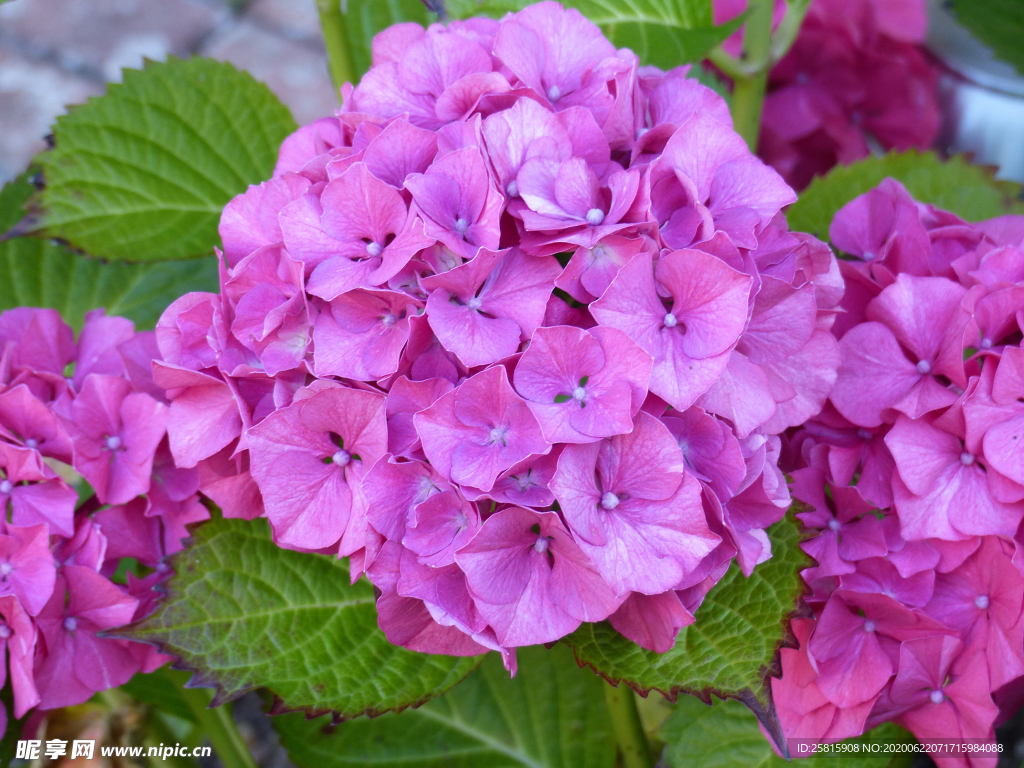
x=513, y=259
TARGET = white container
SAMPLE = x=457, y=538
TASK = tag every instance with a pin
x=982, y=98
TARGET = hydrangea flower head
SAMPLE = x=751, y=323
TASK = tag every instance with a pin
x=501, y=314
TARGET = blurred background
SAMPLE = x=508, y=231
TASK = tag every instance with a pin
x=58, y=52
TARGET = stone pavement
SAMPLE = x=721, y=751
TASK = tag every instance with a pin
x=59, y=52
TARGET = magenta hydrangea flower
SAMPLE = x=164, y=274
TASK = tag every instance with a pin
x=911, y=480
x=107, y=420
x=513, y=259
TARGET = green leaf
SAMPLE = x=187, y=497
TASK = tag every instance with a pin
x=726, y=735
x=997, y=23
x=41, y=273
x=142, y=173
x=967, y=190
x=732, y=646
x=365, y=18
x=550, y=715
x=664, y=33
x=244, y=613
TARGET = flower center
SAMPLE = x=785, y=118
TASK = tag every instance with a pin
x=373, y=248
x=863, y=434
x=541, y=544
x=923, y=367
x=461, y=520
x=474, y=303
x=609, y=501
x=523, y=482
x=6, y=569
x=684, y=446
x=554, y=93
x=986, y=343
x=389, y=319
x=670, y=320
x=512, y=189
x=461, y=225
x=869, y=626
x=966, y=458
x=595, y=216
x=868, y=255
x=32, y=443
x=113, y=442
x=981, y=602
x=5, y=632
x=834, y=525
x=499, y=435
x=70, y=623
x=342, y=458
x=579, y=393
x=937, y=697
x=6, y=486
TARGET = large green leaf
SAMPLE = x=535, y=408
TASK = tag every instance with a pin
x=726, y=736
x=731, y=648
x=244, y=613
x=664, y=33
x=954, y=185
x=365, y=18
x=997, y=23
x=41, y=273
x=142, y=173
x=550, y=715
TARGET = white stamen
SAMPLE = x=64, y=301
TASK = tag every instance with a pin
x=937, y=697
x=541, y=544
x=474, y=303
x=863, y=434
x=461, y=225
x=342, y=458
x=981, y=602
x=595, y=216
x=554, y=93
x=113, y=442
x=5, y=632
x=512, y=189
x=579, y=393
x=834, y=525
x=923, y=367
x=986, y=343
x=498, y=435
x=670, y=320
x=373, y=248
x=869, y=626
x=389, y=320
x=6, y=569
x=609, y=501
x=32, y=443
x=70, y=624
x=6, y=486
x=966, y=458
x=523, y=482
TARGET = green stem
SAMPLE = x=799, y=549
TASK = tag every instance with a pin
x=220, y=729
x=339, y=54
x=629, y=731
x=784, y=37
x=748, y=90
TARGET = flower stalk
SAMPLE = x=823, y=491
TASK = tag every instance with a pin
x=219, y=726
x=749, y=86
x=339, y=53
x=629, y=731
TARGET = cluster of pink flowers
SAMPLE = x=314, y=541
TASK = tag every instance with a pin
x=92, y=406
x=856, y=78
x=516, y=331
x=913, y=476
